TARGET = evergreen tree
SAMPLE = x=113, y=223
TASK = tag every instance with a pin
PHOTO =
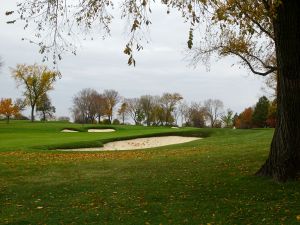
x=260, y=114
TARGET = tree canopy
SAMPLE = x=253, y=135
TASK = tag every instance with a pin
x=37, y=81
x=260, y=113
x=8, y=108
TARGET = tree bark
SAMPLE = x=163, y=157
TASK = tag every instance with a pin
x=44, y=116
x=283, y=162
x=32, y=113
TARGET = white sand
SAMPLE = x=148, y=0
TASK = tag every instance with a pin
x=139, y=143
x=100, y=130
x=69, y=131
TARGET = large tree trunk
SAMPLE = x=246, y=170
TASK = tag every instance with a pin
x=44, y=116
x=32, y=113
x=283, y=162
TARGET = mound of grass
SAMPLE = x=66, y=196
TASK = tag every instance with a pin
x=48, y=136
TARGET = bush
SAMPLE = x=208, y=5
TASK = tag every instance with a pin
x=116, y=122
x=21, y=117
x=105, y=121
x=63, y=119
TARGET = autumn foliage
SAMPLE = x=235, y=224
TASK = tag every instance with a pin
x=37, y=81
x=262, y=115
x=244, y=121
x=8, y=109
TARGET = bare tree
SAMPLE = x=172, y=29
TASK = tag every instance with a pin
x=175, y=115
x=134, y=110
x=84, y=107
x=184, y=112
x=21, y=104
x=214, y=108
x=45, y=108
x=196, y=115
x=112, y=98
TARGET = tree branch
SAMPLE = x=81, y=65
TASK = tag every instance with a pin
x=271, y=70
x=256, y=22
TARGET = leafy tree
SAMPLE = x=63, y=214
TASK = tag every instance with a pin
x=168, y=103
x=99, y=105
x=45, y=108
x=244, y=120
x=157, y=113
x=8, y=109
x=227, y=118
x=260, y=114
x=116, y=122
x=214, y=109
x=263, y=34
x=37, y=81
x=235, y=119
x=122, y=111
x=147, y=104
x=112, y=98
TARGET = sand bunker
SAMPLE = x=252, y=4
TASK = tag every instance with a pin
x=139, y=143
x=100, y=130
x=68, y=131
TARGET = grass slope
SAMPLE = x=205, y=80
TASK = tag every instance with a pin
x=20, y=135
x=209, y=181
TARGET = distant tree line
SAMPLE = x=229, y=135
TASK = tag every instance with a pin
x=263, y=114
x=169, y=109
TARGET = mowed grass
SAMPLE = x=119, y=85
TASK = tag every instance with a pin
x=24, y=135
x=209, y=181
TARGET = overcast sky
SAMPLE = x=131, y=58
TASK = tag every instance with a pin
x=102, y=65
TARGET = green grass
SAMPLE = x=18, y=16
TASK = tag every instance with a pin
x=209, y=181
x=23, y=135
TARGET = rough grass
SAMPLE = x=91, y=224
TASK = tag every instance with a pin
x=208, y=181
